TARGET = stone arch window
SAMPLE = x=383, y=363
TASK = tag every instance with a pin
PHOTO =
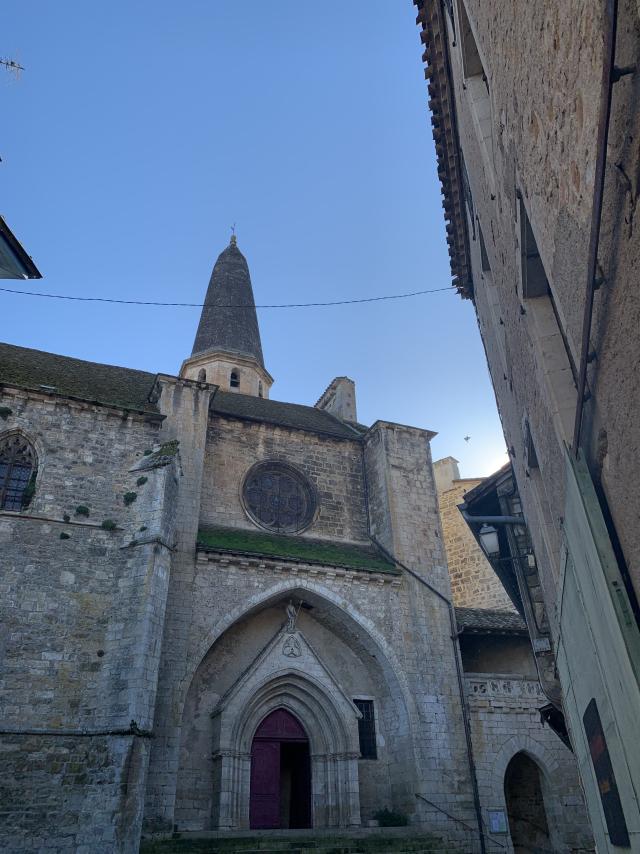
x=260, y=391
x=234, y=379
x=202, y=375
x=18, y=470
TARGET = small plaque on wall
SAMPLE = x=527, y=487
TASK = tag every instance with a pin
x=497, y=821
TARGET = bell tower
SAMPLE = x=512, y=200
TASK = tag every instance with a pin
x=227, y=349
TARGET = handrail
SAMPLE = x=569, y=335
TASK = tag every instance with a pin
x=459, y=820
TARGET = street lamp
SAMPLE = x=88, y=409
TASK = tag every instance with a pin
x=488, y=536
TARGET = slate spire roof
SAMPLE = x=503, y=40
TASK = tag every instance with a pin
x=233, y=330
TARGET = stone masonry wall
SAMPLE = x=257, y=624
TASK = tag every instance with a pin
x=185, y=405
x=543, y=64
x=404, y=625
x=81, y=621
x=474, y=584
x=404, y=519
x=334, y=467
x=505, y=721
x=376, y=616
x=542, y=148
x=356, y=671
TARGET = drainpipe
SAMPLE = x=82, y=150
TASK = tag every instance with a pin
x=610, y=75
x=491, y=520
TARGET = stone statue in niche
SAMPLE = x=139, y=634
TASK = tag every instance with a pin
x=292, y=615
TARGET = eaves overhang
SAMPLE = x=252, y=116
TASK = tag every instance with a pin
x=14, y=261
x=431, y=17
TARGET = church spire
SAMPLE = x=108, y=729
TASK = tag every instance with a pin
x=227, y=350
x=223, y=326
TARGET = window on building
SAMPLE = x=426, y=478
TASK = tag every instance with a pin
x=234, y=380
x=546, y=328
x=260, y=392
x=18, y=470
x=496, y=339
x=484, y=258
x=202, y=375
x=530, y=456
x=477, y=85
x=468, y=196
x=367, y=729
x=534, y=278
x=449, y=7
x=471, y=62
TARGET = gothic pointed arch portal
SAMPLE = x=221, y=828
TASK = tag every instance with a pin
x=287, y=685
x=280, y=794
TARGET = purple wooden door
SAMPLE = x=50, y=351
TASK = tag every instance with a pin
x=264, y=809
x=281, y=725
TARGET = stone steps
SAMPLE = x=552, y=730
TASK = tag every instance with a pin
x=379, y=843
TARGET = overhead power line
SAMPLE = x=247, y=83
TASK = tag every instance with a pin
x=201, y=305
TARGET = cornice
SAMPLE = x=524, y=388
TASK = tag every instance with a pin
x=431, y=17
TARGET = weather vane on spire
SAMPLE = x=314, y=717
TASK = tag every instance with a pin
x=234, y=239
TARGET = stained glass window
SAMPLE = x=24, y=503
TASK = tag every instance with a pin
x=17, y=472
x=279, y=498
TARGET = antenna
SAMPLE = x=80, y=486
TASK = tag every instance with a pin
x=14, y=68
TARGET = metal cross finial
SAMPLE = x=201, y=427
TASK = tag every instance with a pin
x=234, y=239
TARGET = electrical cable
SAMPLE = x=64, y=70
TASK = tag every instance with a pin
x=202, y=305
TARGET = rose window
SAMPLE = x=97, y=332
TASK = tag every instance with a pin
x=279, y=498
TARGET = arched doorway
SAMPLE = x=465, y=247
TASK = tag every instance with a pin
x=280, y=793
x=525, y=806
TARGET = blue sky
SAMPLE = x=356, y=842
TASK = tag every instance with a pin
x=139, y=132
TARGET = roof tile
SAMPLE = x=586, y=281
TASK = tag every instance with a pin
x=293, y=415
x=108, y=384
x=487, y=620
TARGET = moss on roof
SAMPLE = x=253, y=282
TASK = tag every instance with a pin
x=262, y=544
x=293, y=415
x=109, y=384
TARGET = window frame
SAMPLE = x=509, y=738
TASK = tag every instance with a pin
x=370, y=722
x=21, y=492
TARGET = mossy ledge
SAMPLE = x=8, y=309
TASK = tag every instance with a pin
x=300, y=549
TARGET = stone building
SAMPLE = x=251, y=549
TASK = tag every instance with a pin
x=528, y=782
x=535, y=119
x=14, y=261
x=224, y=613
x=474, y=584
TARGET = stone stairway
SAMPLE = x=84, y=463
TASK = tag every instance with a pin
x=369, y=841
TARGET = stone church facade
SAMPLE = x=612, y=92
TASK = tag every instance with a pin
x=223, y=612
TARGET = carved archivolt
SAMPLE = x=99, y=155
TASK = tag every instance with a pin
x=302, y=685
